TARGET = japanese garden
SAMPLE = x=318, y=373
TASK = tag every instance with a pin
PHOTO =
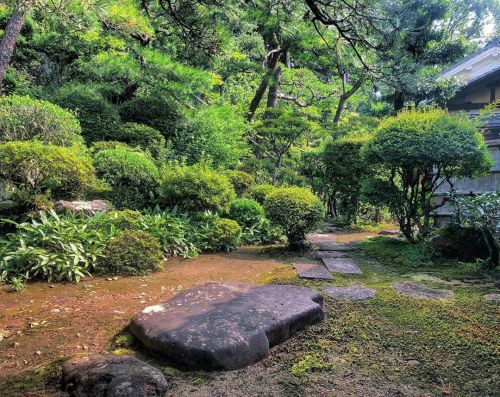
x=250, y=198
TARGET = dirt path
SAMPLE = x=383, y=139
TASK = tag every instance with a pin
x=45, y=321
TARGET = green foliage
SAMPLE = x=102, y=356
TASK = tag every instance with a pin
x=241, y=181
x=23, y=119
x=132, y=253
x=224, y=235
x=106, y=145
x=296, y=210
x=420, y=150
x=132, y=176
x=260, y=192
x=195, y=188
x=145, y=137
x=246, y=212
x=34, y=168
x=99, y=118
x=55, y=247
x=154, y=112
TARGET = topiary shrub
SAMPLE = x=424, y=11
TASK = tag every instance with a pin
x=145, y=137
x=132, y=176
x=297, y=210
x=34, y=168
x=98, y=118
x=132, y=253
x=106, y=145
x=153, y=112
x=241, y=181
x=260, y=192
x=225, y=235
x=23, y=119
x=195, y=188
x=246, y=212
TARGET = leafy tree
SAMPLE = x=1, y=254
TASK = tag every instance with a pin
x=421, y=151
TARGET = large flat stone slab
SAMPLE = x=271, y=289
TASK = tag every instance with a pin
x=350, y=293
x=493, y=297
x=329, y=254
x=112, y=376
x=308, y=270
x=420, y=291
x=342, y=265
x=333, y=246
x=226, y=325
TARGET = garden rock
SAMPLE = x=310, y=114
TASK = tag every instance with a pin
x=226, y=325
x=329, y=254
x=309, y=270
x=492, y=297
x=332, y=246
x=112, y=376
x=86, y=207
x=418, y=290
x=342, y=265
x=350, y=293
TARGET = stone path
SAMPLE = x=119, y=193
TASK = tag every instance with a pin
x=342, y=265
x=226, y=325
x=420, y=291
x=112, y=376
x=308, y=270
x=351, y=293
x=332, y=246
x=492, y=297
x=329, y=254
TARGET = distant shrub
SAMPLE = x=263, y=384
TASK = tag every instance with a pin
x=241, y=181
x=145, y=137
x=463, y=243
x=260, y=192
x=246, y=212
x=224, y=235
x=98, y=118
x=23, y=119
x=195, y=188
x=154, y=112
x=105, y=145
x=132, y=253
x=296, y=210
x=34, y=168
x=132, y=176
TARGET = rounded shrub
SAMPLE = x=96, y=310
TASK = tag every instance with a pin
x=106, y=145
x=132, y=176
x=154, y=112
x=24, y=119
x=260, y=192
x=145, y=137
x=225, y=235
x=246, y=212
x=132, y=253
x=126, y=219
x=98, y=118
x=195, y=188
x=241, y=181
x=34, y=168
x=297, y=210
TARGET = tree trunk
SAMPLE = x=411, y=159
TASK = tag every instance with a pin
x=345, y=96
x=272, y=95
x=288, y=60
x=8, y=43
x=277, y=168
x=493, y=248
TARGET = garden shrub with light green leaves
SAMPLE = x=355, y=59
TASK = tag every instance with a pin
x=24, y=119
x=147, y=138
x=224, y=235
x=241, y=181
x=131, y=253
x=260, y=192
x=297, y=210
x=194, y=188
x=132, y=176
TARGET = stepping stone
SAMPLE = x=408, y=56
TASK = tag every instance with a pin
x=332, y=246
x=308, y=270
x=329, y=254
x=112, y=376
x=418, y=290
x=342, y=265
x=226, y=325
x=492, y=298
x=351, y=293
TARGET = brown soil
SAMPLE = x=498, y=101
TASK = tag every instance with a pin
x=46, y=321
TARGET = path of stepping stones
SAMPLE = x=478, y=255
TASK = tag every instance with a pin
x=420, y=291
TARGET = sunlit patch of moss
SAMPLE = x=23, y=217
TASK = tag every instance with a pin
x=122, y=351
x=124, y=340
x=280, y=274
x=307, y=364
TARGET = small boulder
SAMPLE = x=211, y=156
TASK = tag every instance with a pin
x=112, y=376
x=86, y=207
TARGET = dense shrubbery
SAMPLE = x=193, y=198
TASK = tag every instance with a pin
x=296, y=210
x=34, y=168
x=145, y=137
x=132, y=253
x=246, y=212
x=260, y=192
x=132, y=176
x=223, y=235
x=195, y=188
x=241, y=181
x=23, y=119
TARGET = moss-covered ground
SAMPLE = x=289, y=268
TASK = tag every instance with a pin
x=390, y=345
